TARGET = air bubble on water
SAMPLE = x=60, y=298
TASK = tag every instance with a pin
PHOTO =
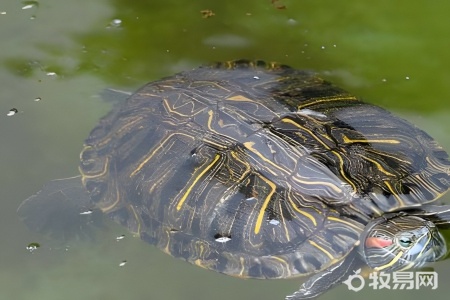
x=256, y=77
x=292, y=22
x=51, y=74
x=116, y=23
x=37, y=99
x=122, y=263
x=323, y=47
x=12, y=112
x=384, y=80
x=120, y=237
x=2, y=12
x=87, y=212
x=251, y=199
x=407, y=77
x=29, y=5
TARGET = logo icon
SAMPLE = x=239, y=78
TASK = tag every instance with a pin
x=349, y=281
x=393, y=281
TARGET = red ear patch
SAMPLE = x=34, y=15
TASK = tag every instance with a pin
x=375, y=242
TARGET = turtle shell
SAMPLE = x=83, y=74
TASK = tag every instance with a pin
x=256, y=169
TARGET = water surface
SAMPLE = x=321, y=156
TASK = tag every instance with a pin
x=63, y=53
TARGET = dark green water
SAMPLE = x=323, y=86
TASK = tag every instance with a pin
x=394, y=54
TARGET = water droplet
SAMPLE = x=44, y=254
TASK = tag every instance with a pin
x=292, y=22
x=222, y=238
x=87, y=212
x=116, y=23
x=33, y=246
x=120, y=237
x=12, y=112
x=274, y=222
x=310, y=112
x=29, y=5
x=122, y=263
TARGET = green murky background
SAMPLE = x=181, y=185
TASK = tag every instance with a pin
x=392, y=53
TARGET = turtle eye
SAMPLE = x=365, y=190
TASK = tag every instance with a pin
x=405, y=241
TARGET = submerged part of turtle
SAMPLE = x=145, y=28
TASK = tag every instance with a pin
x=62, y=210
x=259, y=170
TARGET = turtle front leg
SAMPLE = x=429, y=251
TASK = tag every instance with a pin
x=321, y=282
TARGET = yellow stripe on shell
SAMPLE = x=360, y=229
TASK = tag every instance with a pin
x=172, y=111
x=249, y=146
x=265, y=203
x=286, y=120
x=239, y=98
x=322, y=249
x=343, y=221
x=145, y=161
x=402, y=203
x=202, y=173
x=308, y=215
x=317, y=101
x=341, y=170
x=349, y=141
x=377, y=164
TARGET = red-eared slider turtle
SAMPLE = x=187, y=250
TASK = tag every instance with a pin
x=258, y=170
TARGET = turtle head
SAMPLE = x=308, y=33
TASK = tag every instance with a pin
x=400, y=241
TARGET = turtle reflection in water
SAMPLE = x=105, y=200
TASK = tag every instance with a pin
x=258, y=170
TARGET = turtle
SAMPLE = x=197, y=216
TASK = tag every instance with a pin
x=255, y=169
